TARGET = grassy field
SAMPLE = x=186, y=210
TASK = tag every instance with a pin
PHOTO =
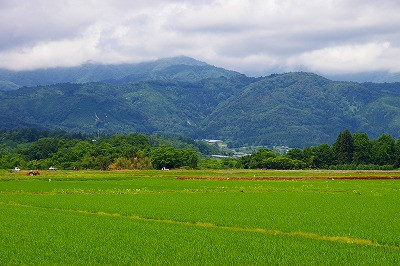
x=200, y=217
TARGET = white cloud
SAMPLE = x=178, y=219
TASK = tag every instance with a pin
x=350, y=59
x=244, y=35
x=69, y=52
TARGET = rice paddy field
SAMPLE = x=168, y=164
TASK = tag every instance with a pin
x=193, y=217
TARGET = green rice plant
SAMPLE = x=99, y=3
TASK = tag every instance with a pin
x=42, y=236
x=212, y=217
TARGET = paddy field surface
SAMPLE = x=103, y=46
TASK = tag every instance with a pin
x=194, y=217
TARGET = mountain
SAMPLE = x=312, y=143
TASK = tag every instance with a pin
x=374, y=76
x=300, y=109
x=189, y=73
x=191, y=98
x=180, y=68
x=8, y=86
x=150, y=107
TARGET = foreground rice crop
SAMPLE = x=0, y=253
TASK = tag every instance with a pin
x=200, y=217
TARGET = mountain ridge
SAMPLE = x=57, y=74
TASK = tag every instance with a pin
x=164, y=68
x=184, y=96
x=296, y=109
x=93, y=72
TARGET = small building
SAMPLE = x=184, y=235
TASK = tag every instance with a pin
x=220, y=156
x=239, y=154
x=213, y=141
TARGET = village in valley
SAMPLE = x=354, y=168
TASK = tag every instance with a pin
x=228, y=152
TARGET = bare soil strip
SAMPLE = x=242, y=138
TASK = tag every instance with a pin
x=288, y=178
x=342, y=239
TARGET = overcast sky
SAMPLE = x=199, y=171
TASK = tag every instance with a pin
x=331, y=37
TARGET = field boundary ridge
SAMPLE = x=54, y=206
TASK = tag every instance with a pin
x=308, y=235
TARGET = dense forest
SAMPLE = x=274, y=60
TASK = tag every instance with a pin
x=41, y=149
x=176, y=68
x=182, y=96
x=349, y=151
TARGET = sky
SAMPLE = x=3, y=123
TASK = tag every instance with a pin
x=253, y=37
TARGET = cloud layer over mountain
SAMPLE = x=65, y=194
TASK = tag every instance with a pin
x=333, y=37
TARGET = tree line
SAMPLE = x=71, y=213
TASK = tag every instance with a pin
x=36, y=149
x=347, y=152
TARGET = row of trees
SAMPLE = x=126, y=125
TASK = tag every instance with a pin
x=139, y=151
x=353, y=151
x=265, y=158
x=133, y=151
x=348, y=152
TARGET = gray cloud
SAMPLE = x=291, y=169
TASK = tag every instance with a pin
x=246, y=35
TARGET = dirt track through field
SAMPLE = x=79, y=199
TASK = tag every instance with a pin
x=341, y=239
x=289, y=178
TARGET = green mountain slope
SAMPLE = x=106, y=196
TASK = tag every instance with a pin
x=150, y=107
x=294, y=109
x=190, y=73
x=299, y=109
x=179, y=68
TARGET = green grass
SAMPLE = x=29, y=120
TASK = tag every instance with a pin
x=152, y=217
x=198, y=174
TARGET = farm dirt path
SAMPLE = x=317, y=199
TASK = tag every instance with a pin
x=309, y=235
x=289, y=178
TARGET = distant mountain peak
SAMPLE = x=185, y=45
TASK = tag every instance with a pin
x=189, y=69
x=182, y=60
x=295, y=109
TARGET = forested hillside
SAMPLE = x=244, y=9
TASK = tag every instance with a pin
x=299, y=109
x=148, y=107
x=40, y=149
x=190, y=98
x=179, y=68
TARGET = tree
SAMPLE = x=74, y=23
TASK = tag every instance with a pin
x=309, y=156
x=295, y=154
x=102, y=162
x=121, y=163
x=397, y=153
x=343, y=148
x=81, y=149
x=164, y=157
x=362, y=149
x=12, y=160
x=171, y=157
x=383, y=150
x=323, y=156
x=258, y=159
x=244, y=162
x=190, y=157
x=42, y=148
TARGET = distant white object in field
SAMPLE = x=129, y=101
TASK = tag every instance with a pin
x=49, y=180
x=165, y=169
x=16, y=169
x=52, y=168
